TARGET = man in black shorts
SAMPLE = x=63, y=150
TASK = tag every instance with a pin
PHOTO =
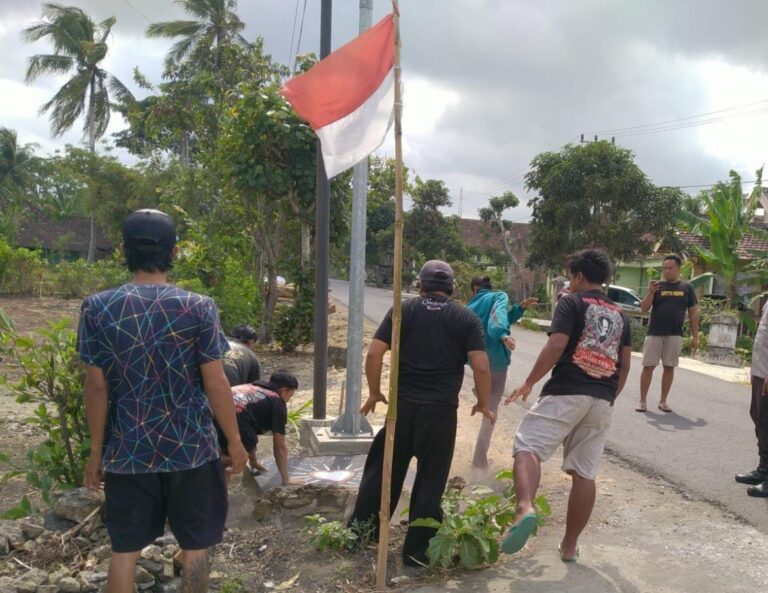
x=154, y=382
x=240, y=363
x=437, y=338
x=668, y=301
x=261, y=410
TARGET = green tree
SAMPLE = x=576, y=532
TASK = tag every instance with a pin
x=493, y=214
x=594, y=195
x=16, y=178
x=724, y=223
x=427, y=233
x=201, y=43
x=79, y=46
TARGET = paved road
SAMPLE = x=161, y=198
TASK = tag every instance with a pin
x=699, y=448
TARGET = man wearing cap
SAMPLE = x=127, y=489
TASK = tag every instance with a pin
x=154, y=383
x=437, y=338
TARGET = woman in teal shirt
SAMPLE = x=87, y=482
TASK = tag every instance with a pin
x=493, y=309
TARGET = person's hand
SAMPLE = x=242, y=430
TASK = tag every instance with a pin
x=245, y=388
x=235, y=461
x=93, y=476
x=509, y=342
x=374, y=397
x=654, y=285
x=694, y=344
x=485, y=412
x=529, y=302
x=294, y=482
x=523, y=391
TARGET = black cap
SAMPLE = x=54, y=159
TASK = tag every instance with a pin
x=436, y=271
x=149, y=230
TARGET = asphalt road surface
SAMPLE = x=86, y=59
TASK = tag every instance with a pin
x=699, y=447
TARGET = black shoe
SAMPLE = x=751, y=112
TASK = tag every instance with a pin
x=760, y=491
x=755, y=477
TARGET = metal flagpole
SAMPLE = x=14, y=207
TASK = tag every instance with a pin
x=389, y=443
x=322, y=248
x=352, y=423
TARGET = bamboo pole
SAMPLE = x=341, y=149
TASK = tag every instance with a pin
x=397, y=277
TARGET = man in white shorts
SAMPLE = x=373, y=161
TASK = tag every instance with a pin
x=590, y=348
x=668, y=302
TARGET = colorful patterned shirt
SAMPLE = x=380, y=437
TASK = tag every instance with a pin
x=150, y=341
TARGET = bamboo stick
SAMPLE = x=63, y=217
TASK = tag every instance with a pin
x=397, y=281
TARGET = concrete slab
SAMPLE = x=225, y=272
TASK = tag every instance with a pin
x=308, y=425
x=325, y=442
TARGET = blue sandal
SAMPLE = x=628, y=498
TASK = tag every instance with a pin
x=518, y=534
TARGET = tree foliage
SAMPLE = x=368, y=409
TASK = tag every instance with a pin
x=428, y=234
x=594, y=195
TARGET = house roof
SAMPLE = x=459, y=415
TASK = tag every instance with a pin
x=71, y=234
x=480, y=234
x=747, y=247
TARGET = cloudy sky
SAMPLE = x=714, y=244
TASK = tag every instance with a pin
x=491, y=83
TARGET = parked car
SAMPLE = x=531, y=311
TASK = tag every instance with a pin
x=625, y=297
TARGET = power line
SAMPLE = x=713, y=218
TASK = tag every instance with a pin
x=301, y=29
x=137, y=10
x=293, y=34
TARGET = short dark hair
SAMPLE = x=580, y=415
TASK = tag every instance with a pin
x=481, y=282
x=282, y=378
x=675, y=258
x=148, y=261
x=594, y=264
x=244, y=333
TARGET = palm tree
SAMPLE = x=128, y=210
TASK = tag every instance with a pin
x=201, y=42
x=79, y=46
x=16, y=164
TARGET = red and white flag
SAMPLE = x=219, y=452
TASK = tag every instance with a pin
x=348, y=97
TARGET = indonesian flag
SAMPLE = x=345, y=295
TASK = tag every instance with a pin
x=348, y=98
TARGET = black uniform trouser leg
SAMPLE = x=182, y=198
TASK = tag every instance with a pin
x=427, y=433
x=758, y=410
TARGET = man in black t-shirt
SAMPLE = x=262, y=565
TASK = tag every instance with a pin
x=240, y=363
x=590, y=348
x=261, y=410
x=437, y=337
x=668, y=302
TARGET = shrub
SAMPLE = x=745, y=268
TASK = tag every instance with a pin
x=295, y=324
x=334, y=536
x=52, y=376
x=77, y=279
x=21, y=270
x=472, y=523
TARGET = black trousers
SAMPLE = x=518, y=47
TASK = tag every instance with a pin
x=758, y=410
x=429, y=434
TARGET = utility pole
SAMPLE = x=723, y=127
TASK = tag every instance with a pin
x=582, y=141
x=322, y=247
x=352, y=423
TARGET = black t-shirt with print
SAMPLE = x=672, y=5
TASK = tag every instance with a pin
x=435, y=337
x=670, y=303
x=597, y=330
x=240, y=364
x=257, y=413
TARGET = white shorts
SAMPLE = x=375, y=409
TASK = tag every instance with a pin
x=662, y=348
x=579, y=422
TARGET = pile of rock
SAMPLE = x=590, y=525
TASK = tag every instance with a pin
x=68, y=551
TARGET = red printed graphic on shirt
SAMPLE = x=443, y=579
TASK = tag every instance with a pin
x=597, y=352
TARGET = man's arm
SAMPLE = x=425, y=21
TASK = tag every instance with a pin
x=96, y=404
x=481, y=371
x=280, y=449
x=374, y=362
x=220, y=397
x=626, y=359
x=693, y=317
x=647, y=302
x=548, y=357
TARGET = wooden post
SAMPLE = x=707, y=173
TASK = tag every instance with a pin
x=397, y=282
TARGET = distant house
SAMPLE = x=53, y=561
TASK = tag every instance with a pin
x=62, y=240
x=486, y=242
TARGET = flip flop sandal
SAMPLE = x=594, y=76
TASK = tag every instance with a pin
x=665, y=408
x=564, y=559
x=641, y=408
x=518, y=534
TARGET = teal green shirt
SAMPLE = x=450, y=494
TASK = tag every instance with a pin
x=496, y=316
